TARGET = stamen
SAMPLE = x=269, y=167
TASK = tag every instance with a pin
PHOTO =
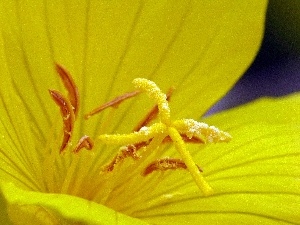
x=84, y=142
x=152, y=114
x=125, y=152
x=166, y=164
x=67, y=115
x=155, y=93
x=202, y=131
x=186, y=139
x=71, y=87
x=113, y=103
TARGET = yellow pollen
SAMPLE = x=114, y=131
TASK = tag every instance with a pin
x=157, y=95
x=154, y=135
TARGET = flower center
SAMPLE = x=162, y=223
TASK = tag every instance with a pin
x=145, y=139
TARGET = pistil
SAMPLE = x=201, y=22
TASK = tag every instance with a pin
x=178, y=132
x=149, y=138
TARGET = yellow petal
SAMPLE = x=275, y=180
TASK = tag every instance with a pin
x=3, y=211
x=268, y=110
x=59, y=209
x=199, y=47
x=255, y=177
x=19, y=160
x=185, y=45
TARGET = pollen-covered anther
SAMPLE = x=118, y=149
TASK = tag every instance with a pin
x=67, y=115
x=124, y=152
x=186, y=139
x=166, y=164
x=209, y=134
x=84, y=142
x=73, y=94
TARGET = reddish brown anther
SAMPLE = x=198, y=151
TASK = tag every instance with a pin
x=152, y=114
x=71, y=87
x=84, y=142
x=166, y=164
x=113, y=103
x=193, y=140
x=125, y=152
x=67, y=115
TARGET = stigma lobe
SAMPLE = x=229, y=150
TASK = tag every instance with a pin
x=152, y=114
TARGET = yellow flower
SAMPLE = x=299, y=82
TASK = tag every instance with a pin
x=198, y=49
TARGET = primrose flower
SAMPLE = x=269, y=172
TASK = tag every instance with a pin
x=102, y=106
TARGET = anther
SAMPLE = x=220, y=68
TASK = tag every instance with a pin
x=71, y=87
x=166, y=164
x=113, y=103
x=84, y=142
x=67, y=115
x=186, y=139
x=202, y=131
x=125, y=152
